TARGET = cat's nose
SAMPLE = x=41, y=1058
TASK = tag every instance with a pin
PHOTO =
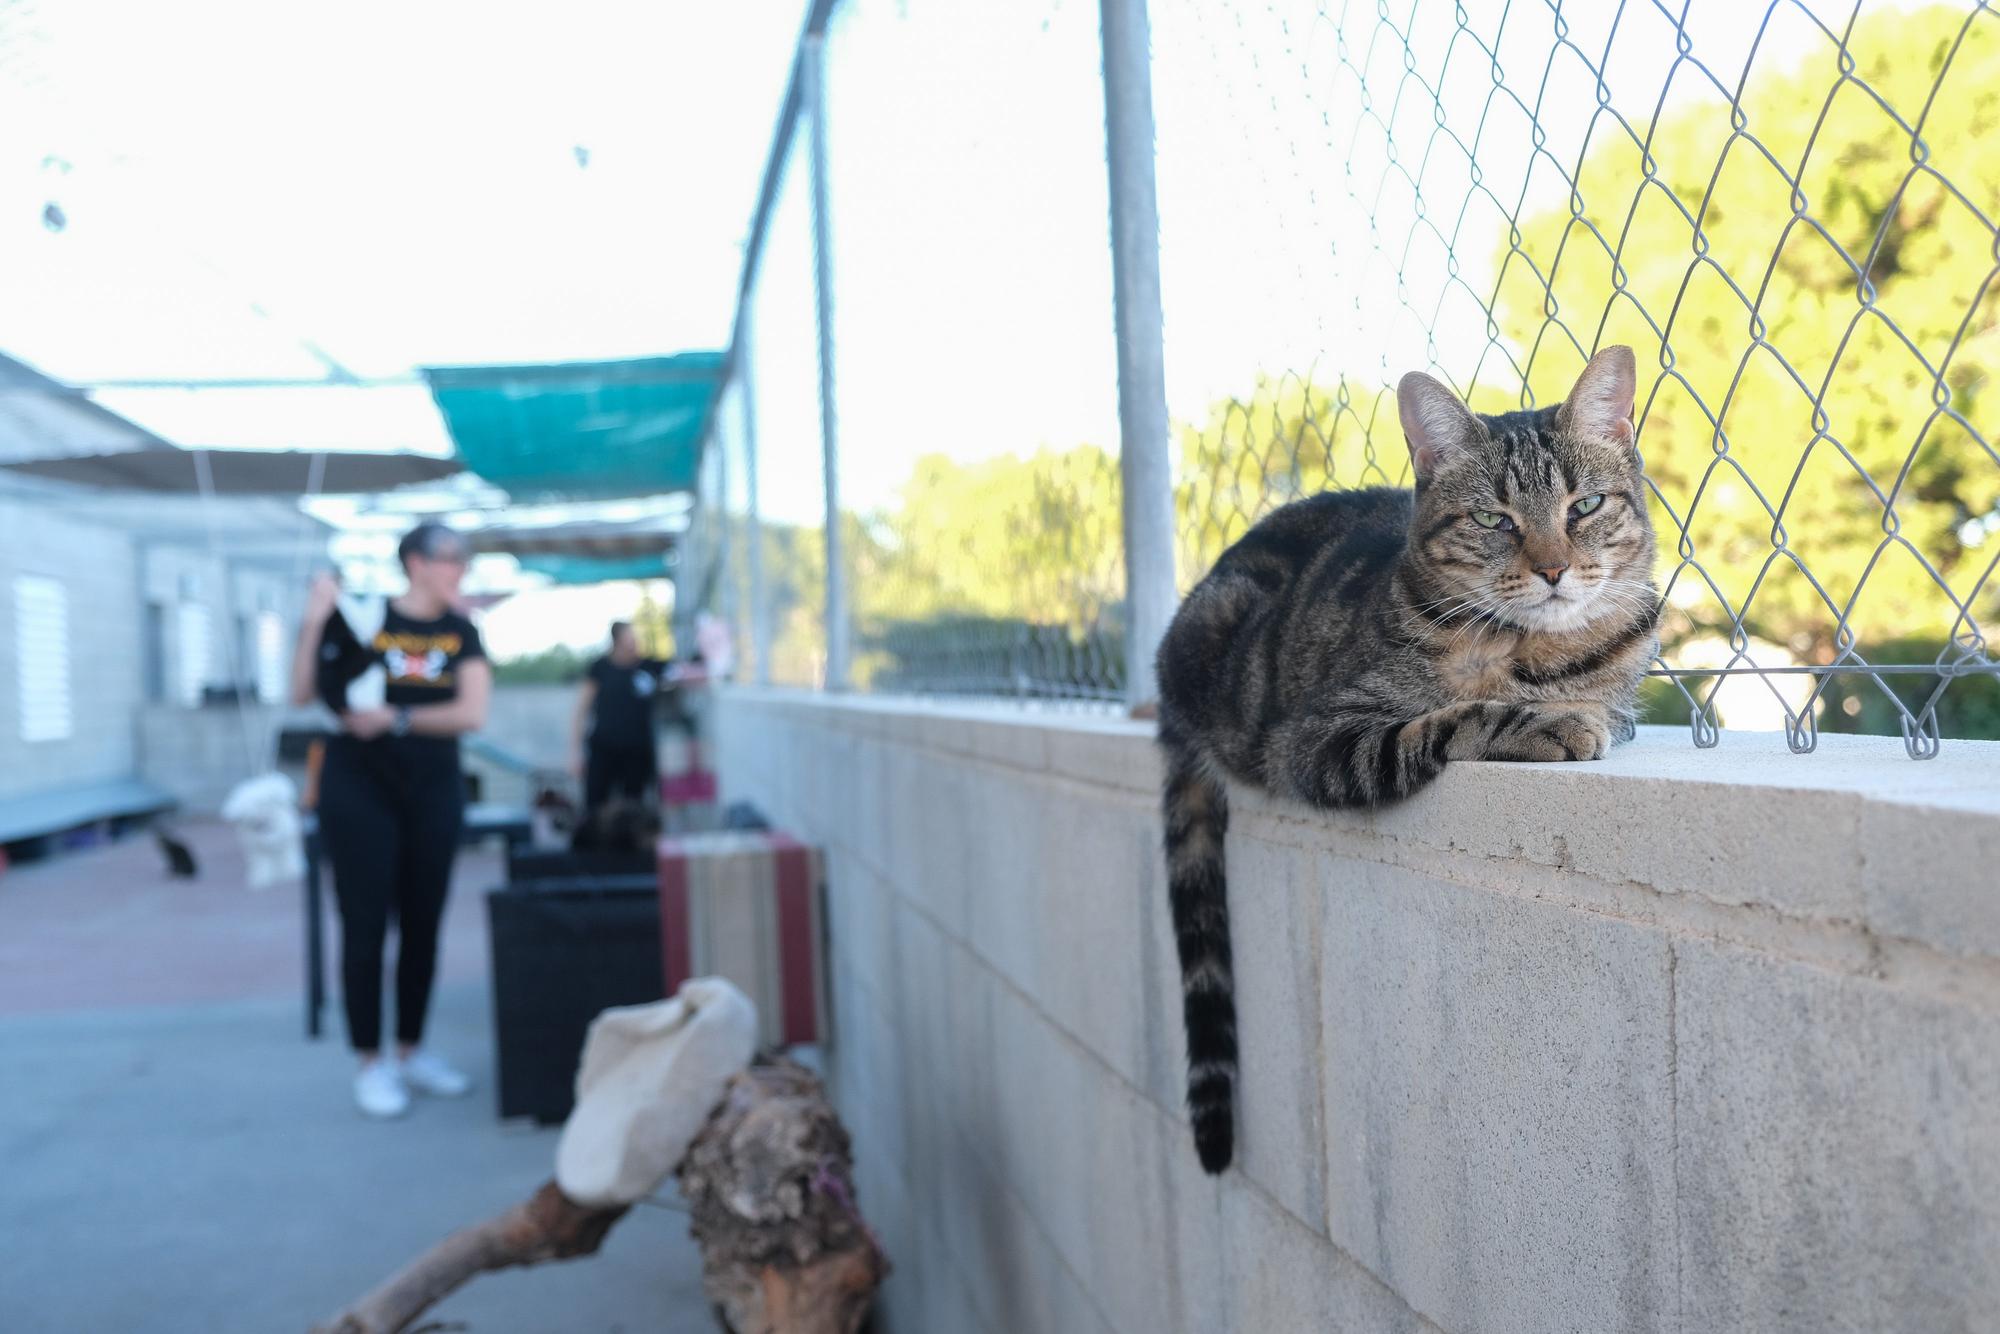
x=1551, y=574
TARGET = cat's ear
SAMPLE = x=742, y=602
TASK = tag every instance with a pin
x=1599, y=406
x=1435, y=422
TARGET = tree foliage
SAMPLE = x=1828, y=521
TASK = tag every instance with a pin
x=652, y=625
x=1812, y=289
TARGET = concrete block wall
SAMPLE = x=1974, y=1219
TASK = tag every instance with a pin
x=111, y=558
x=1683, y=1040
x=96, y=567
x=173, y=575
x=532, y=721
x=199, y=755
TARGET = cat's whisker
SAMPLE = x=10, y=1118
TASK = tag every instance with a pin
x=1462, y=604
x=1487, y=614
x=1630, y=595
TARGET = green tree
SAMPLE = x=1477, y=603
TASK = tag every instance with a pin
x=1005, y=536
x=795, y=582
x=1005, y=559
x=1292, y=437
x=652, y=626
x=1807, y=460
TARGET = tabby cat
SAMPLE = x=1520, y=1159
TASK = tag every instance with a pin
x=1353, y=642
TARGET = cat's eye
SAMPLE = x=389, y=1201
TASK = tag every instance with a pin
x=1586, y=505
x=1493, y=520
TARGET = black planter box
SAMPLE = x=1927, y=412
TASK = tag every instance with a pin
x=563, y=950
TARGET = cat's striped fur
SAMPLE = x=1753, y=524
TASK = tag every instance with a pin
x=1353, y=643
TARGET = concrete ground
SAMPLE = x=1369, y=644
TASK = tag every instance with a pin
x=175, y=1156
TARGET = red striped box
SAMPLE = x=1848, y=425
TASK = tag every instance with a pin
x=748, y=906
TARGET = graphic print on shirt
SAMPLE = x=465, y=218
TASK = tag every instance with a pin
x=418, y=660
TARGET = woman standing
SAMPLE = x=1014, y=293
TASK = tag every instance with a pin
x=391, y=798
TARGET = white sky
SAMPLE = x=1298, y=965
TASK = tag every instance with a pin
x=398, y=185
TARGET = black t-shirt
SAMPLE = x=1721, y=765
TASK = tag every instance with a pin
x=621, y=717
x=423, y=657
x=421, y=660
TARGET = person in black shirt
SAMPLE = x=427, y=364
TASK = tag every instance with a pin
x=612, y=746
x=391, y=799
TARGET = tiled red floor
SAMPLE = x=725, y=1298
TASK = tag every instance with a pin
x=108, y=927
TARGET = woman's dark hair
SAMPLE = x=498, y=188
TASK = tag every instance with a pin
x=429, y=540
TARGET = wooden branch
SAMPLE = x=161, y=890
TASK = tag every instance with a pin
x=769, y=1184
x=770, y=1187
x=547, y=1226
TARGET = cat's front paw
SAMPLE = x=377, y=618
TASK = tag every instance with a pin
x=1553, y=733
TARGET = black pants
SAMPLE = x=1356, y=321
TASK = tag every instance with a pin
x=620, y=771
x=390, y=830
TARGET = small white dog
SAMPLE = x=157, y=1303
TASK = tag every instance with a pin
x=265, y=812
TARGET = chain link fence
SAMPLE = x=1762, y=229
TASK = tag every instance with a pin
x=1787, y=209
x=975, y=400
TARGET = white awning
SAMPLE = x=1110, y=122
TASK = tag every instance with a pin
x=49, y=429
x=239, y=472
x=44, y=418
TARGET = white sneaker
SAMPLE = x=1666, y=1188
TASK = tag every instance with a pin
x=427, y=1073
x=379, y=1090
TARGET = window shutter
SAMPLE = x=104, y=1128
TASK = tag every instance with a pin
x=41, y=646
x=192, y=653
x=270, y=657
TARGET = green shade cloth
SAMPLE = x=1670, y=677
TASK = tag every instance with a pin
x=596, y=429
x=597, y=570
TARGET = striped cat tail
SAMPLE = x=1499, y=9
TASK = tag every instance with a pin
x=1196, y=807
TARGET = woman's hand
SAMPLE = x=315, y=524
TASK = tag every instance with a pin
x=320, y=599
x=368, y=723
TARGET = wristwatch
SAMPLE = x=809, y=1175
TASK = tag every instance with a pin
x=401, y=727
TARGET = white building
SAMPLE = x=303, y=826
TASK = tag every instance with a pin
x=144, y=638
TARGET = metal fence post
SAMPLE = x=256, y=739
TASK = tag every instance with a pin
x=760, y=601
x=718, y=543
x=837, y=622
x=698, y=564
x=1144, y=458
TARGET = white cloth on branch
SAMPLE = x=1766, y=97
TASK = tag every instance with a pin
x=265, y=814
x=650, y=1076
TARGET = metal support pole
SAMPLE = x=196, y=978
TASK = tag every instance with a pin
x=814, y=61
x=760, y=601
x=315, y=927
x=694, y=555
x=1144, y=459
x=718, y=572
